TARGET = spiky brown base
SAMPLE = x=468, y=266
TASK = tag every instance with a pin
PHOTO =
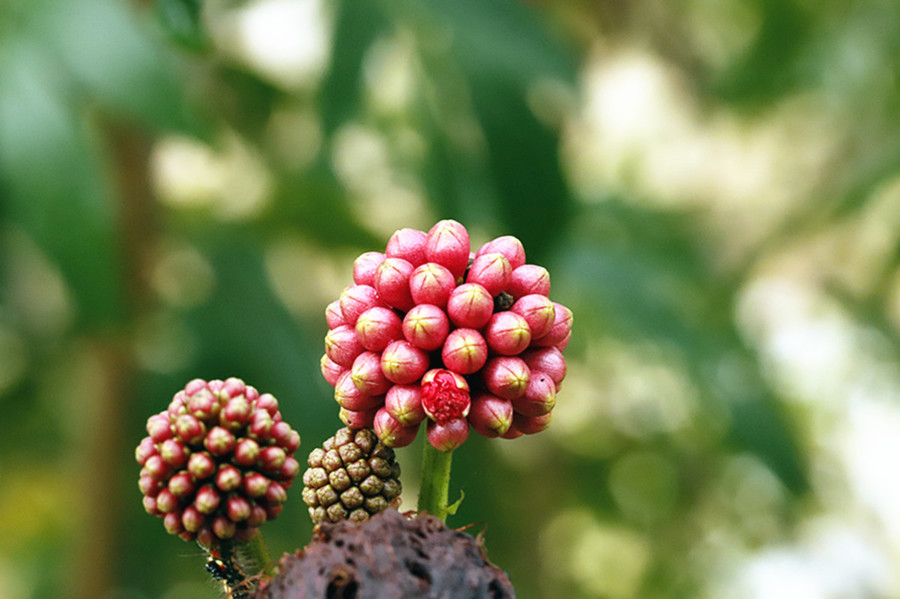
x=389, y=556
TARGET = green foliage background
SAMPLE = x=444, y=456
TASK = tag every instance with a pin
x=170, y=209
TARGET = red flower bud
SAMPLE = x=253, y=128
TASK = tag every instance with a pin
x=530, y=425
x=470, y=306
x=144, y=450
x=275, y=494
x=149, y=485
x=364, y=268
x=447, y=244
x=333, y=315
x=404, y=404
x=228, y=478
x=331, y=370
x=246, y=452
x=367, y=376
x=172, y=523
x=356, y=299
x=357, y=420
x=431, y=283
x=190, y=429
x=492, y=271
x=507, y=334
x=166, y=501
x=267, y=402
x=507, y=245
x=236, y=413
x=464, y=351
x=258, y=516
x=445, y=395
x=426, y=326
x=342, y=345
x=207, y=500
x=562, y=326
x=392, y=283
x=158, y=427
x=528, y=279
x=260, y=425
x=539, y=397
x=490, y=415
x=237, y=508
x=506, y=376
x=538, y=311
x=289, y=470
x=219, y=441
x=223, y=527
x=391, y=432
x=255, y=484
x=447, y=436
x=203, y=405
x=157, y=467
x=201, y=465
x=271, y=459
x=173, y=453
x=403, y=363
x=548, y=360
x=181, y=485
x=349, y=397
x=408, y=244
x=376, y=327
x=192, y=519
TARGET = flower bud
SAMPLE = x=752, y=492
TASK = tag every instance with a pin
x=404, y=404
x=172, y=523
x=219, y=441
x=157, y=467
x=246, y=452
x=255, y=485
x=189, y=429
x=447, y=436
x=357, y=420
x=201, y=465
x=144, y=450
x=367, y=375
x=470, y=306
x=391, y=432
x=528, y=279
x=342, y=345
x=356, y=299
x=529, y=425
x=507, y=334
x=223, y=527
x=562, y=326
x=349, y=397
x=376, y=327
x=166, y=502
x=408, y=244
x=260, y=425
x=507, y=245
x=331, y=370
x=506, y=376
x=491, y=271
x=333, y=315
x=271, y=459
x=207, y=500
x=181, y=485
x=490, y=415
x=228, y=478
x=235, y=413
x=445, y=395
x=426, y=326
x=159, y=428
x=192, y=519
x=237, y=508
x=447, y=244
x=431, y=283
x=539, y=397
x=364, y=267
x=392, y=283
x=173, y=453
x=538, y=311
x=465, y=351
x=548, y=360
x=403, y=363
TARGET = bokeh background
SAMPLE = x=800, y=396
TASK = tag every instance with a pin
x=713, y=184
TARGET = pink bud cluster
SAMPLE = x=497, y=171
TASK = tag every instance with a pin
x=218, y=462
x=430, y=331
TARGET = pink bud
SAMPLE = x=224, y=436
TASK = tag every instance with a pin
x=548, y=360
x=426, y=326
x=260, y=425
x=144, y=450
x=530, y=425
x=173, y=453
x=255, y=485
x=403, y=363
x=258, y=516
x=158, y=427
x=506, y=376
x=448, y=244
x=392, y=283
x=376, y=327
x=234, y=386
x=349, y=397
x=219, y=441
x=271, y=459
x=201, y=465
x=445, y=395
x=447, y=436
x=464, y=351
x=364, y=267
x=408, y=244
x=207, y=500
x=391, y=432
x=189, y=429
x=528, y=279
x=539, y=397
x=562, y=345
x=404, y=404
x=150, y=505
x=275, y=494
x=223, y=527
x=246, y=452
x=228, y=478
x=204, y=405
x=512, y=432
x=267, y=402
x=357, y=420
x=333, y=315
x=194, y=386
x=356, y=299
x=237, y=508
x=342, y=345
x=470, y=305
x=431, y=283
x=149, y=485
x=281, y=433
x=491, y=271
x=368, y=376
x=192, y=519
x=562, y=325
x=166, y=502
x=157, y=468
x=206, y=537
x=490, y=415
x=538, y=311
x=172, y=523
x=507, y=245
x=235, y=413
x=289, y=470
x=293, y=442
x=331, y=370
x=507, y=333
x=181, y=485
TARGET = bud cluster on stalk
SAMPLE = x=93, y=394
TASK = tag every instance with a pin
x=431, y=331
x=218, y=462
x=351, y=477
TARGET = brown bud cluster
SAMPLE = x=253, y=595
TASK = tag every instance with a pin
x=351, y=477
x=218, y=462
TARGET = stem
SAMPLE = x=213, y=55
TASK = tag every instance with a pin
x=256, y=550
x=435, y=486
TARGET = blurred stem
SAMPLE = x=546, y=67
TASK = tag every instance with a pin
x=434, y=489
x=258, y=554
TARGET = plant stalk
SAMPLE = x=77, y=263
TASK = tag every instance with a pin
x=434, y=489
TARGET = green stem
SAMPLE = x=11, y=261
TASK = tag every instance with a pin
x=434, y=489
x=256, y=550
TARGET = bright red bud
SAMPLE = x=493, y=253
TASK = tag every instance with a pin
x=562, y=326
x=426, y=326
x=342, y=345
x=357, y=420
x=447, y=436
x=539, y=397
x=464, y=351
x=506, y=376
x=356, y=299
x=528, y=279
x=201, y=465
x=445, y=395
x=331, y=370
x=219, y=441
x=470, y=306
x=404, y=404
x=368, y=376
x=207, y=500
x=431, y=283
x=491, y=271
x=246, y=452
x=507, y=333
x=392, y=283
x=548, y=360
x=349, y=397
x=447, y=244
x=391, y=432
x=378, y=326
x=403, y=363
x=364, y=268
x=159, y=428
x=538, y=311
x=490, y=415
x=408, y=244
x=530, y=425
x=507, y=245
